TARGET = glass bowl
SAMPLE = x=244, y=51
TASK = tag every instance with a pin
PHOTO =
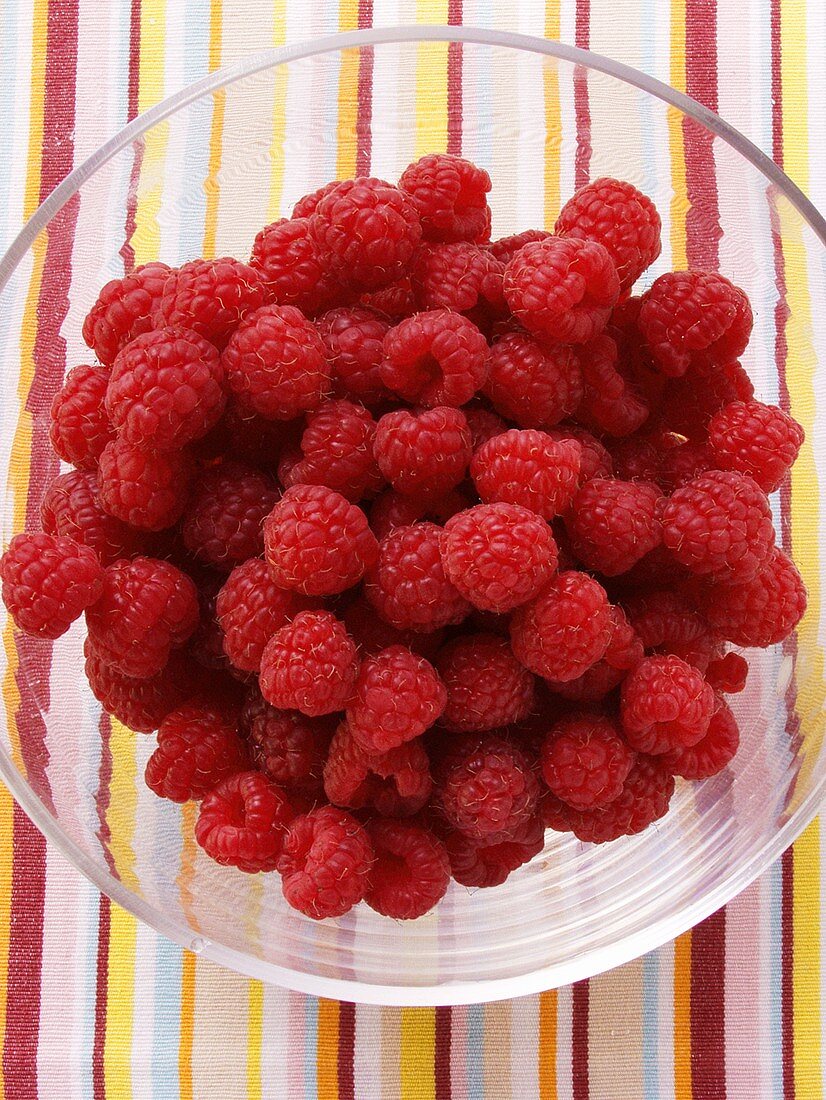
x=198, y=175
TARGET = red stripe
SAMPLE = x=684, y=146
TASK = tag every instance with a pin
x=777, y=85
x=364, y=114
x=454, y=82
x=787, y=972
x=703, y=219
x=101, y=999
x=579, y=1041
x=708, y=1050
x=346, y=1046
x=127, y=252
x=582, y=106
x=102, y=794
x=441, y=1061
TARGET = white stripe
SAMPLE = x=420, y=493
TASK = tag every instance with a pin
x=524, y=1039
x=665, y=1021
x=564, y=1042
x=367, y=1060
x=143, y=1011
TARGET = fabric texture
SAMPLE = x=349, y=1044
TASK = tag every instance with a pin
x=95, y=1005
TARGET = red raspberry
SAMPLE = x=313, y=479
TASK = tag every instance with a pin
x=354, y=345
x=306, y=205
x=613, y=523
x=275, y=363
x=124, y=310
x=562, y=288
x=398, y=696
x=474, y=864
x=325, y=863
x=667, y=622
x=535, y=385
x=411, y=871
x=141, y=704
x=223, y=524
x=310, y=664
x=395, y=300
x=211, y=297
x=450, y=195
x=527, y=468
x=596, y=460
x=585, y=761
x=686, y=312
x=80, y=426
x=369, y=231
x=682, y=464
x=483, y=423
x=250, y=608
x=555, y=813
x=644, y=800
x=147, y=608
x=243, y=822
x=719, y=523
x=457, y=276
x=690, y=402
x=147, y=489
x=666, y=705
x=293, y=268
x=395, y=783
x=712, y=752
x=637, y=458
x=728, y=673
x=565, y=630
x=761, y=611
x=610, y=403
x=486, y=685
x=506, y=247
x=624, y=651
x=248, y=437
x=407, y=586
x=755, y=439
x=371, y=634
x=337, y=446
x=198, y=746
x=48, y=581
x=165, y=389
x=392, y=510
x=435, y=358
x=498, y=555
x=618, y=216
x=288, y=747
x=71, y=508
x=423, y=454
x=317, y=542
x=488, y=790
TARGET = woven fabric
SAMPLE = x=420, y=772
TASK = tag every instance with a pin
x=95, y=1005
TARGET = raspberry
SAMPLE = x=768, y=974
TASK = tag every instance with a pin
x=565, y=630
x=595, y=461
x=368, y=230
x=667, y=622
x=310, y=664
x=124, y=310
x=691, y=401
x=292, y=267
x=147, y=608
x=80, y=426
x=719, y=523
x=488, y=789
x=686, y=312
x=353, y=339
x=613, y=523
x=474, y=864
x=486, y=685
x=398, y=696
x=48, y=581
x=248, y=437
x=325, y=863
x=535, y=385
x=371, y=634
x=407, y=586
x=644, y=799
x=198, y=746
x=411, y=871
x=243, y=822
x=610, y=403
x=141, y=704
x=392, y=510
x=457, y=276
x=165, y=389
x=562, y=288
x=506, y=247
x=435, y=358
x=712, y=752
x=211, y=297
x=637, y=458
x=395, y=300
x=317, y=542
x=223, y=523
x=483, y=423
x=666, y=705
x=619, y=217
x=449, y=194
x=761, y=611
x=250, y=608
x=71, y=508
x=585, y=761
x=498, y=555
x=306, y=205
x=147, y=489
x=728, y=674
x=527, y=468
x=286, y=746
x=395, y=783
x=423, y=454
x=275, y=363
x=682, y=464
x=755, y=439
x=624, y=651
x=337, y=448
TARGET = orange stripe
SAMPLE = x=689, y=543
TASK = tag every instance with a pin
x=682, y=1018
x=547, y=1045
x=327, y=1050
x=187, y=1024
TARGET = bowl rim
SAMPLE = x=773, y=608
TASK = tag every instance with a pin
x=593, y=961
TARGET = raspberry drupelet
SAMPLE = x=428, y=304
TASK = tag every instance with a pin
x=124, y=310
x=486, y=686
x=435, y=358
x=410, y=871
x=198, y=746
x=423, y=454
x=450, y=195
x=48, y=581
x=398, y=695
x=243, y=822
x=528, y=468
x=80, y=427
x=210, y=297
x=325, y=862
x=666, y=705
x=585, y=761
x=310, y=665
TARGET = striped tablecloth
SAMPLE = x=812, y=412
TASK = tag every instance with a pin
x=93, y=1005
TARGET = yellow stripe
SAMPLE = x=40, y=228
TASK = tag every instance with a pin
x=279, y=122
x=431, y=83
x=347, y=95
x=123, y=802
x=547, y=1046
x=807, y=1032
x=117, y=1051
x=682, y=1018
x=417, y=1054
x=187, y=1024
x=211, y=184
x=553, y=120
x=327, y=1050
x=255, y=1030
x=6, y=863
x=676, y=141
x=151, y=87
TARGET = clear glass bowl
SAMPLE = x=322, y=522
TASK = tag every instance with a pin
x=198, y=175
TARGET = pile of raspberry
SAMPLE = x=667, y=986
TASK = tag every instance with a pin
x=409, y=545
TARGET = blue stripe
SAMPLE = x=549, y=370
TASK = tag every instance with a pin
x=650, y=1025
x=475, y=1052
x=166, y=1031
x=310, y=1048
